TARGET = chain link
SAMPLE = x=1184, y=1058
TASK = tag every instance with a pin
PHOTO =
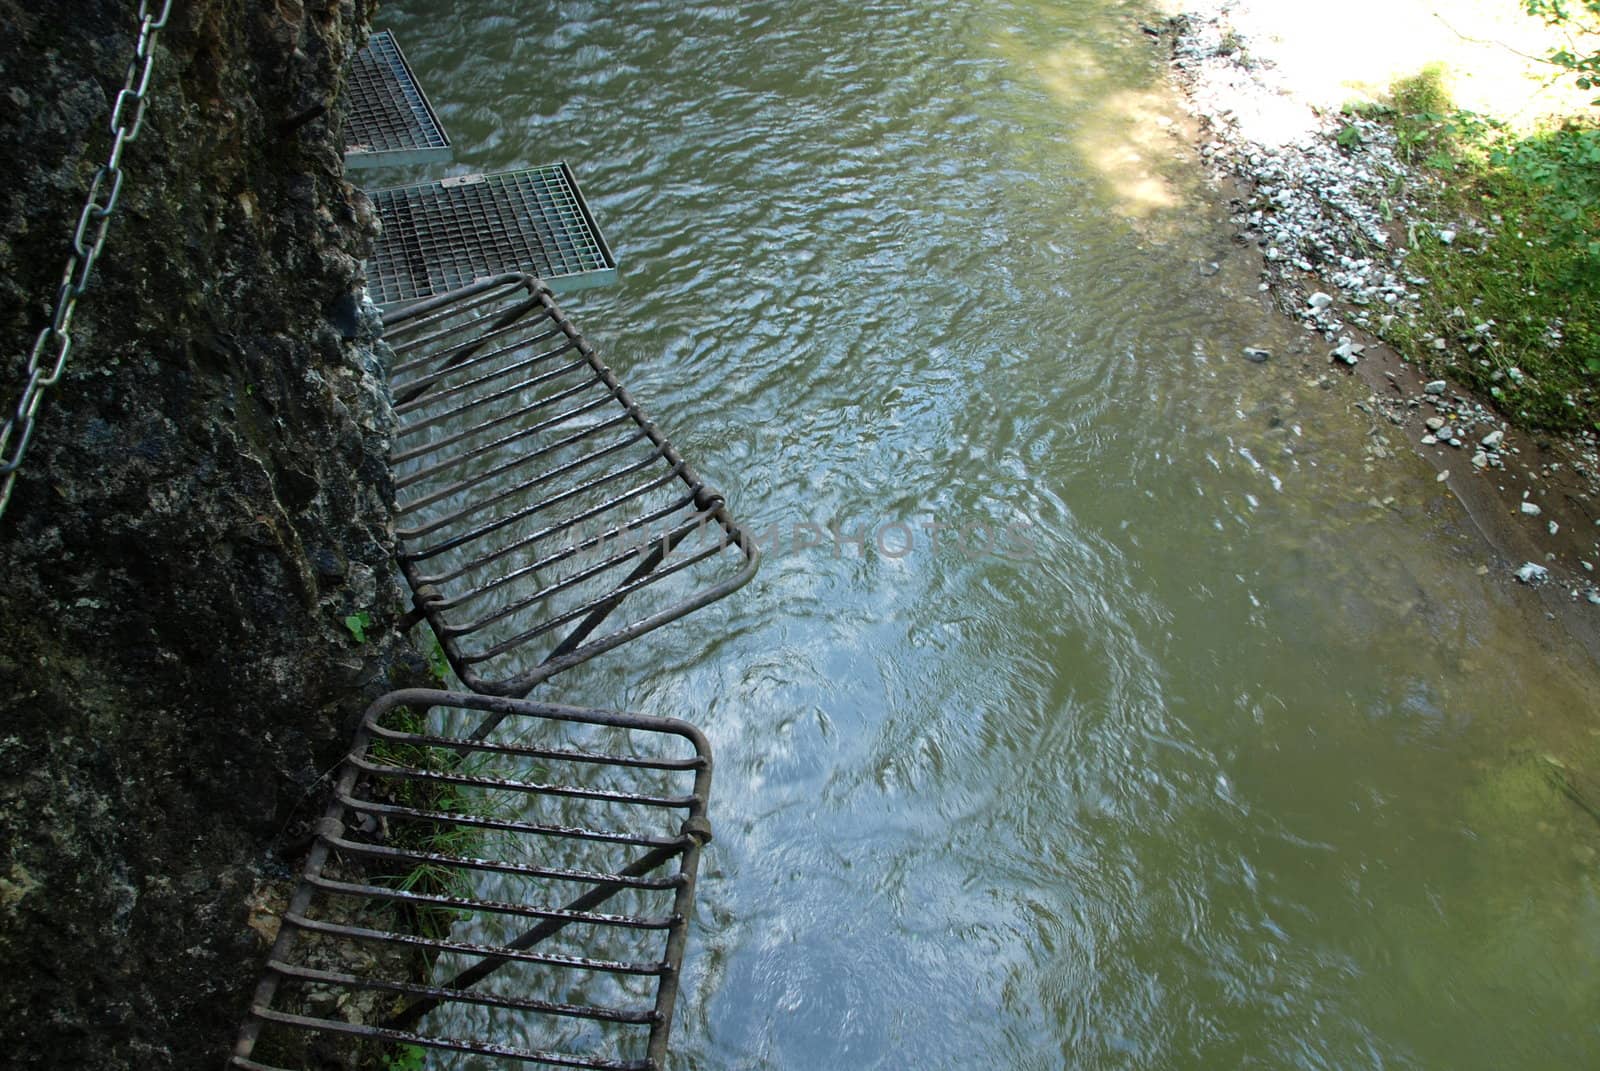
x=48, y=359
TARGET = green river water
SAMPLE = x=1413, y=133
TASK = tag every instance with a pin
x=1244, y=766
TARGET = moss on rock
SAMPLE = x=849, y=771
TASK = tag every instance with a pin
x=205, y=501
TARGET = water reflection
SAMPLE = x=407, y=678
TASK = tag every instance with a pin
x=1239, y=771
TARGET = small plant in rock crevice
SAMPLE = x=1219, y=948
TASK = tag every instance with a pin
x=357, y=625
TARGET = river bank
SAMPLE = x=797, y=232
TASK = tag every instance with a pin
x=1331, y=210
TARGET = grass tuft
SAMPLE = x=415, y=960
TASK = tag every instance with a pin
x=1514, y=286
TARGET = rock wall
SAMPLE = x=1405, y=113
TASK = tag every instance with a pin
x=204, y=504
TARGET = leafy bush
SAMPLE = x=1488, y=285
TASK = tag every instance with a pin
x=1579, y=18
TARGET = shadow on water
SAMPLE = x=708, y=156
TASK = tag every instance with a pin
x=1242, y=765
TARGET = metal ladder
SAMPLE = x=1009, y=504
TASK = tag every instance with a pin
x=443, y=234
x=536, y=499
x=545, y=520
x=455, y=886
x=535, y=886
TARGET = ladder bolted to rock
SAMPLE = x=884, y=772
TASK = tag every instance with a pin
x=443, y=234
x=496, y=877
x=389, y=120
x=537, y=503
x=536, y=500
x=545, y=886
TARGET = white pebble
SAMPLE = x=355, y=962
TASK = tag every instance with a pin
x=1531, y=573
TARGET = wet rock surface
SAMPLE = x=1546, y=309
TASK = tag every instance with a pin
x=204, y=503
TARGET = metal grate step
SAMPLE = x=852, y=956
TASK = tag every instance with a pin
x=534, y=885
x=443, y=235
x=389, y=121
x=534, y=497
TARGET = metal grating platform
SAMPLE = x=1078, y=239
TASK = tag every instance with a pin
x=534, y=498
x=455, y=888
x=444, y=235
x=389, y=120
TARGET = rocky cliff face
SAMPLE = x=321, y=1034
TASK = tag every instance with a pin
x=204, y=504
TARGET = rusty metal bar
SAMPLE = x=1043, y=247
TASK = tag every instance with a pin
x=535, y=498
x=565, y=802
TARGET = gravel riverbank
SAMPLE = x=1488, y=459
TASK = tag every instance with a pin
x=1332, y=218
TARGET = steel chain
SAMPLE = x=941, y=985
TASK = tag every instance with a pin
x=48, y=359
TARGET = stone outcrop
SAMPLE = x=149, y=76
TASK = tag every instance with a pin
x=204, y=506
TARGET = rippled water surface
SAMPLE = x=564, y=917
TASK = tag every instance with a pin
x=1244, y=765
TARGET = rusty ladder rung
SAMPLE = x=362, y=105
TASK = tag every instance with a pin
x=445, y=897
x=535, y=498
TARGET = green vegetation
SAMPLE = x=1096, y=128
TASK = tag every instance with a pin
x=422, y=836
x=407, y=1058
x=427, y=837
x=358, y=625
x=1514, y=291
x=1579, y=19
x=438, y=663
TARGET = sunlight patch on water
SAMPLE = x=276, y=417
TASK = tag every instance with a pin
x=1124, y=134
